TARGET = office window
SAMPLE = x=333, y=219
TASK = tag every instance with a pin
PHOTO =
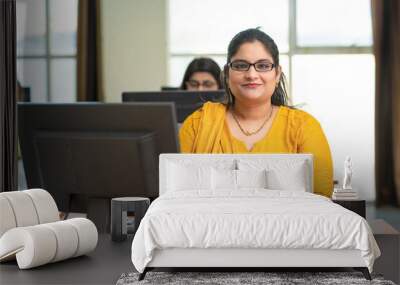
x=326, y=53
x=340, y=23
x=46, y=48
x=205, y=27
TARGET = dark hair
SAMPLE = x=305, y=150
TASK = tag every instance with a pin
x=202, y=64
x=280, y=96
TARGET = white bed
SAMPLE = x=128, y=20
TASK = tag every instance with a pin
x=202, y=221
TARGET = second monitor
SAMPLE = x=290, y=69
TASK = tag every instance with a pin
x=96, y=150
x=186, y=102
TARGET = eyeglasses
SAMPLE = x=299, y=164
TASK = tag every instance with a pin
x=260, y=66
x=196, y=84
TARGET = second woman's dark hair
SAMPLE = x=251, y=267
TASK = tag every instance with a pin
x=202, y=64
x=280, y=96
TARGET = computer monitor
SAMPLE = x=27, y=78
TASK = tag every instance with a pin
x=94, y=149
x=169, y=88
x=186, y=102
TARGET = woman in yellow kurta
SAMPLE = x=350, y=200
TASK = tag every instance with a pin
x=255, y=118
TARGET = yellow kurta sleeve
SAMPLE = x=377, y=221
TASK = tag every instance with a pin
x=312, y=140
x=188, y=132
x=201, y=131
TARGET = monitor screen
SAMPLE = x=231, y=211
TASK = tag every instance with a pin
x=95, y=149
x=186, y=102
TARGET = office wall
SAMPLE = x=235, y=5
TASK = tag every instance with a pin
x=134, y=46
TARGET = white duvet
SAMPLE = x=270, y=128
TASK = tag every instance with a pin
x=250, y=218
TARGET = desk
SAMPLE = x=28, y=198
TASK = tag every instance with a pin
x=102, y=266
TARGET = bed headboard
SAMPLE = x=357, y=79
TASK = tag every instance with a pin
x=233, y=159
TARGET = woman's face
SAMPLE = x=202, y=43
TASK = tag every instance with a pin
x=251, y=85
x=201, y=81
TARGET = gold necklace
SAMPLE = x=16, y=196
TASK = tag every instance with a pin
x=247, y=133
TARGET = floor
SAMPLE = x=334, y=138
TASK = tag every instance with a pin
x=389, y=214
x=101, y=266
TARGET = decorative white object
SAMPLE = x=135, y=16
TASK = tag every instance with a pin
x=32, y=233
x=340, y=194
x=348, y=173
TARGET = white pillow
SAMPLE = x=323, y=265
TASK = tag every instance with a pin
x=188, y=160
x=223, y=179
x=282, y=174
x=235, y=179
x=294, y=180
x=181, y=177
x=251, y=178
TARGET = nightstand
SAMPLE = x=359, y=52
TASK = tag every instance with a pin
x=357, y=206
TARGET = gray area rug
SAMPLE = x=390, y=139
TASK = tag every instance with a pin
x=225, y=278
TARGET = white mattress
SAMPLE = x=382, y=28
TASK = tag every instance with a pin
x=251, y=219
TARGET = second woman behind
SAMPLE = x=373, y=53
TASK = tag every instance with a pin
x=202, y=74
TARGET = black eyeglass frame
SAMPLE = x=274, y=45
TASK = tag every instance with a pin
x=273, y=65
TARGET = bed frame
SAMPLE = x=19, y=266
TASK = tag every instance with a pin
x=242, y=259
x=246, y=258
